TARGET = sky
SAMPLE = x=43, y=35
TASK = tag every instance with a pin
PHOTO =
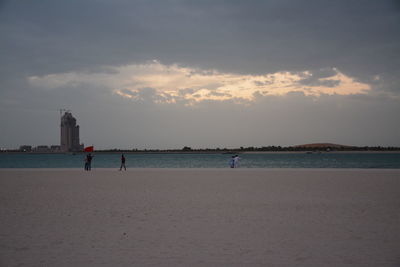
x=213, y=73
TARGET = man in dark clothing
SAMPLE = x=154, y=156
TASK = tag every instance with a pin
x=89, y=158
x=122, y=163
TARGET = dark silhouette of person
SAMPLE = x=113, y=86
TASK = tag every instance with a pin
x=88, y=162
x=122, y=163
x=232, y=162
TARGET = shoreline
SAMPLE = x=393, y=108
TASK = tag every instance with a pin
x=208, y=152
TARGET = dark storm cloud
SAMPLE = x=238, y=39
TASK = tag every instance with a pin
x=360, y=38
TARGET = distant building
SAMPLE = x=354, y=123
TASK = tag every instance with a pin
x=25, y=148
x=55, y=148
x=42, y=149
x=69, y=141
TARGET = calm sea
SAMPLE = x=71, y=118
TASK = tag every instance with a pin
x=269, y=160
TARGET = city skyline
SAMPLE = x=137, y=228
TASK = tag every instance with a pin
x=169, y=74
x=70, y=142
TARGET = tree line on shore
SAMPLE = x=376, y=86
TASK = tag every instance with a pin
x=261, y=149
x=305, y=148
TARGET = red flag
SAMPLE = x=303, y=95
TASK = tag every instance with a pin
x=89, y=149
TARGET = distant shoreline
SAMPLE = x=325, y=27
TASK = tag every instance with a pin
x=208, y=152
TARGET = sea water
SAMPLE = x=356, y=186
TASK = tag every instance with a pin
x=205, y=160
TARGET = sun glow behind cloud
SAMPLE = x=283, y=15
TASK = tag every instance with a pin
x=172, y=83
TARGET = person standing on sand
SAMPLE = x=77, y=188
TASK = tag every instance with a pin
x=232, y=162
x=89, y=158
x=236, y=161
x=122, y=163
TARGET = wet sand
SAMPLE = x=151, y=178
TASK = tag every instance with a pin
x=200, y=217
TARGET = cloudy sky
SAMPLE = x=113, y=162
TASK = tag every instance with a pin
x=210, y=73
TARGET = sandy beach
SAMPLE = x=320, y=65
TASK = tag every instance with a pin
x=200, y=217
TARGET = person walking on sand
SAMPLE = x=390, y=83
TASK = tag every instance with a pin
x=122, y=163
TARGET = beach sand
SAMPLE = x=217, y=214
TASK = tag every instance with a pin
x=200, y=217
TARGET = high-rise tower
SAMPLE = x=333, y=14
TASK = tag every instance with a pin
x=69, y=141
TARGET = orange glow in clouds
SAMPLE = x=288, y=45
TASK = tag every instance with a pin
x=170, y=83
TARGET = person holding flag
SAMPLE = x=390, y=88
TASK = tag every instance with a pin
x=88, y=158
